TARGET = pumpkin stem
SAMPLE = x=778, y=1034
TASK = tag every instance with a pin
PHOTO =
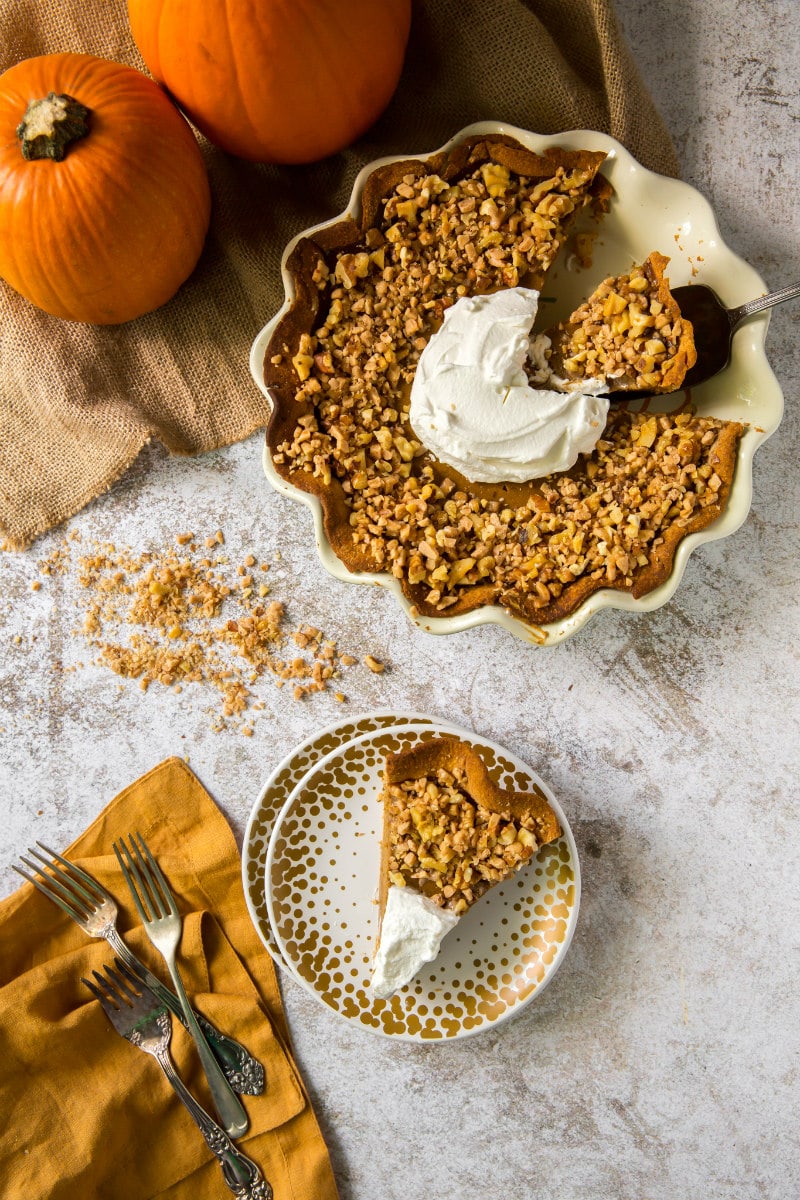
x=51, y=125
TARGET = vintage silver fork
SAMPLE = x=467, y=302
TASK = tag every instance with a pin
x=94, y=909
x=162, y=922
x=137, y=1014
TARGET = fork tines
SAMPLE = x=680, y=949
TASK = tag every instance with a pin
x=131, y=1007
x=151, y=893
x=67, y=885
x=116, y=987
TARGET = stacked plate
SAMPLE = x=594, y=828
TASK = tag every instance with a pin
x=310, y=868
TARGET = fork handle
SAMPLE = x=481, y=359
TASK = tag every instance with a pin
x=227, y=1103
x=735, y=315
x=244, y=1073
x=239, y=1172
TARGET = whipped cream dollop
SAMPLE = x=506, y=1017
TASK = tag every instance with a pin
x=411, y=933
x=472, y=404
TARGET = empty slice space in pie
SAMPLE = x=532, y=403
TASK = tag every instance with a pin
x=450, y=833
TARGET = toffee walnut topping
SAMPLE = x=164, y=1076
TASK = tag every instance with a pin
x=449, y=830
x=447, y=845
x=340, y=367
x=193, y=616
x=630, y=332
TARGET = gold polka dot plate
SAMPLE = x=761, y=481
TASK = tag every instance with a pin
x=321, y=880
x=277, y=788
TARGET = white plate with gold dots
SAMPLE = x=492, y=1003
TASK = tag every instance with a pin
x=321, y=882
x=276, y=790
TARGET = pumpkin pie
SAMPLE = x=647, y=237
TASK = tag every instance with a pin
x=369, y=293
x=449, y=835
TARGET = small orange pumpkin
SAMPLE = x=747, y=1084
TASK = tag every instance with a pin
x=285, y=81
x=104, y=195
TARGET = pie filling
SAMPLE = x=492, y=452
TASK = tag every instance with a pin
x=369, y=297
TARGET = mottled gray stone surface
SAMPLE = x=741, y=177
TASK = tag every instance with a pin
x=662, y=1060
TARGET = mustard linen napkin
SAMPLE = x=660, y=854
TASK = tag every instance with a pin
x=85, y=1114
x=78, y=403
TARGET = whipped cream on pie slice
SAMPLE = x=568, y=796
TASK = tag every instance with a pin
x=412, y=930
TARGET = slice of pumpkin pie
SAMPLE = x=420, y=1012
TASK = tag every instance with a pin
x=449, y=834
x=629, y=333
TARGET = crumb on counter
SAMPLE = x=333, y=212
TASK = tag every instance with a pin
x=178, y=617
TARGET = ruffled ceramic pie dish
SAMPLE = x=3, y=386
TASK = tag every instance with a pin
x=646, y=212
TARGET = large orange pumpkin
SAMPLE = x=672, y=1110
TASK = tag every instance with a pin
x=104, y=196
x=286, y=81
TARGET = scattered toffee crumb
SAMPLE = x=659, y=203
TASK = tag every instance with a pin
x=189, y=614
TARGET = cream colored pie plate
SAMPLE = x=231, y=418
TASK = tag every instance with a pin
x=321, y=884
x=648, y=212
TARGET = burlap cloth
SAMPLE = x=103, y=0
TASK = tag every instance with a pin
x=78, y=403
